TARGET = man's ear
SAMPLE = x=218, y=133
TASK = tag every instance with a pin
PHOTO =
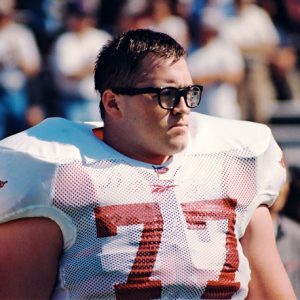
x=110, y=103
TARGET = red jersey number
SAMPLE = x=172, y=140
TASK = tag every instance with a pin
x=139, y=285
x=198, y=213
x=108, y=218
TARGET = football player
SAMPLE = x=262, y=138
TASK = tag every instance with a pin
x=156, y=202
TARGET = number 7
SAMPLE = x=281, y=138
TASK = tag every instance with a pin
x=108, y=218
x=198, y=213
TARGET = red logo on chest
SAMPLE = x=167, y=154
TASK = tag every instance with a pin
x=160, y=188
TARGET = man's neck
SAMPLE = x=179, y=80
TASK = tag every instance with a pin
x=116, y=142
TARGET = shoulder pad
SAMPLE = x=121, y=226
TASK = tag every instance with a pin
x=56, y=140
x=211, y=134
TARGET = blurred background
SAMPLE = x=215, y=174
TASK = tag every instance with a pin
x=246, y=53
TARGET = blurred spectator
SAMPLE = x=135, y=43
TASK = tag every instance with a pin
x=184, y=8
x=133, y=14
x=227, y=7
x=44, y=18
x=287, y=233
x=19, y=62
x=283, y=63
x=279, y=15
x=284, y=73
x=252, y=30
x=292, y=206
x=73, y=57
x=219, y=66
x=286, y=17
x=34, y=115
x=293, y=12
x=165, y=20
x=192, y=14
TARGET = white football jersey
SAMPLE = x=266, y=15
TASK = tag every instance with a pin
x=133, y=230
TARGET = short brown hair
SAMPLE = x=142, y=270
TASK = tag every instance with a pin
x=119, y=61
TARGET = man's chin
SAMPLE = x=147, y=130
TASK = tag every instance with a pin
x=178, y=144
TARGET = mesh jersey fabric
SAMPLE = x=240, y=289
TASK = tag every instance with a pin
x=138, y=231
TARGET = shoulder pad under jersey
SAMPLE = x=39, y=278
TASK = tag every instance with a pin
x=56, y=140
x=212, y=134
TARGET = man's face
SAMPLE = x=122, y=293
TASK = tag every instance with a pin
x=155, y=134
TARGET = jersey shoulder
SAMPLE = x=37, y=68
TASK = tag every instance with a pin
x=56, y=140
x=212, y=134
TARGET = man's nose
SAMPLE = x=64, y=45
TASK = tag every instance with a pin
x=181, y=106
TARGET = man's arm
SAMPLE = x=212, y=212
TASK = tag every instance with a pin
x=29, y=254
x=269, y=279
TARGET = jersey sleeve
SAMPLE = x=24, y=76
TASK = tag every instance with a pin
x=25, y=191
x=270, y=176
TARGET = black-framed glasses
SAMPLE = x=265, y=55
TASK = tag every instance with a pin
x=168, y=97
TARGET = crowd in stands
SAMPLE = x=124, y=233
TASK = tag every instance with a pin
x=246, y=53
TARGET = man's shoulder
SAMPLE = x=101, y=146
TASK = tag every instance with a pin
x=213, y=134
x=54, y=140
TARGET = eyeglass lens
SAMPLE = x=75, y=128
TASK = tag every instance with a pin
x=170, y=96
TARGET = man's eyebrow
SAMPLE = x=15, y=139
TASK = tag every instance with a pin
x=170, y=83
